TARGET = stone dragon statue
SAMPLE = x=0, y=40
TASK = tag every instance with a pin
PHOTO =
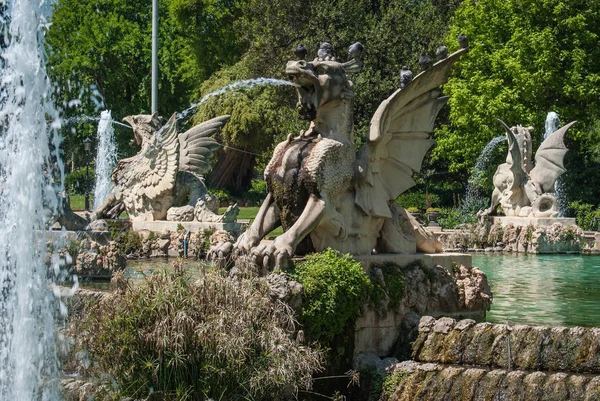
x=322, y=192
x=521, y=188
x=166, y=173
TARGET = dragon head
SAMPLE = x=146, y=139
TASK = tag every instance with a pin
x=144, y=126
x=322, y=80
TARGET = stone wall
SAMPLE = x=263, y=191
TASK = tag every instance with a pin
x=435, y=382
x=532, y=238
x=457, y=291
x=469, y=361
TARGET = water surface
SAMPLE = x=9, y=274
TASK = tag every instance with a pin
x=556, y=290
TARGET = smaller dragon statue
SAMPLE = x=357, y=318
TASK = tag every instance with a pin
x=164, y=179
x=522, y=188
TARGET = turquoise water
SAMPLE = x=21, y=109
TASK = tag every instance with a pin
x=557, y=290
x=138, y=268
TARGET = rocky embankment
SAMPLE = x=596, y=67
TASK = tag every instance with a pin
x=533, y=238
x=468, y=361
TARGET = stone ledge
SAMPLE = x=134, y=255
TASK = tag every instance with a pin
x=193, y=226
x=429, y=259
x=433, y=382
x=525, y=221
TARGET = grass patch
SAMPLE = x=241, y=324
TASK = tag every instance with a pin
x=78, y=202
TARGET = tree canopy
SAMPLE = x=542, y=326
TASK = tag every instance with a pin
x=526, y=59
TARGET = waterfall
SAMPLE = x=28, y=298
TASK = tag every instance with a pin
x=29, y=161
x=106, y=158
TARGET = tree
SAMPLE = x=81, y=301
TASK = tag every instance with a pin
x=526, y=59
x=393, y=32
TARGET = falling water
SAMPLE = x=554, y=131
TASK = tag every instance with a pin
x=552, y=124
x=106, y=158
x=473, y=198
x=77, y=119
x=245, y=84
x=28, y=160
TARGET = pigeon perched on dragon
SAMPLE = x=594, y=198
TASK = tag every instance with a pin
x=322, y=192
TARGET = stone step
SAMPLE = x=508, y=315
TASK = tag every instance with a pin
x=575, y=350
x=436, y=382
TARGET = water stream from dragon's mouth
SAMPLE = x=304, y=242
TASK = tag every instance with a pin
x=473, y=199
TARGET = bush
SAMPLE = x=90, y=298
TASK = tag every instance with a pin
x=335, y=288
x=222, y=194
x=419, y=200
x=257, y=193
x=76, y=181
x=452, y=217
x=213, y=338
x=585, y=215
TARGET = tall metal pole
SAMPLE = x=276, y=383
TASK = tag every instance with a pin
x=154, y=100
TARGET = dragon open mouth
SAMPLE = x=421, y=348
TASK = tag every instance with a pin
x=306, y=86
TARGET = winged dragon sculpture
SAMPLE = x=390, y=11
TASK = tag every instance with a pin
x=166, y=173
x=322, y=192
x=522, y=188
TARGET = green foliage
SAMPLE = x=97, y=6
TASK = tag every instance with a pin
x=585, y=215
x=222, y=194
x=392, y=288
x=335, y=288
x=80, y=180
x=526, y=59
x=257, y=193
x=391, y=383
x=452, y=217
x=417, y=199
x=129, y=241
x=177, y=339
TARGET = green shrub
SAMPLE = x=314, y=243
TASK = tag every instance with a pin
x=222, y=194
x=76, y=181
x=452, y=217
x=129, y=242
x=585, y=215
x=257, y=193
x=420, y=200
x=180, y=339
x=394, y=286
x=335, y=288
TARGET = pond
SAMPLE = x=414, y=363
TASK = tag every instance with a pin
x=549, y=290
x=138, y=268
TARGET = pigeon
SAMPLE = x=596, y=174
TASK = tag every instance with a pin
x=406, y=76
x=355, y=51
x=326, y=50
x=424, y=61
x=463, y=41
x=441, y=52
x=300, y=52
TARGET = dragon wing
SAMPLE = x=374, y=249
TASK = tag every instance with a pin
x=153, y=170
x=399, y=139
x=197, y=146
x=513, y=157
x=549, y=159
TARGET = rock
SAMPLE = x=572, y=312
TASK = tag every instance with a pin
x=444, y=325
x=426, y=324
x=285, y=289
x=464, y=324
x=182, y=213
x=98, y=225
